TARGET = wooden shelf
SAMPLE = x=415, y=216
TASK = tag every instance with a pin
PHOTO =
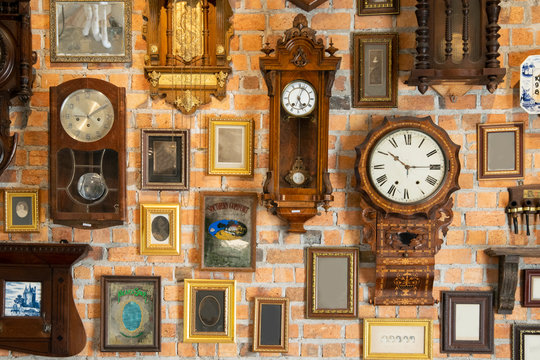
x=508, y=273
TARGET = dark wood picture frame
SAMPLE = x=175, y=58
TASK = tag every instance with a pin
x=330, y=277
x=170, y=150
x=271, y=325
x=143, y=295
x=531, y=297
x=229, y=221
x=519, y=343
x=378, y=7
x=375, y=70
x=493, y=162
x=456, y=310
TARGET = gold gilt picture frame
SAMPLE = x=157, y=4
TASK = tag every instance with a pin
x=21, y=209
x=160, y=229
x=90, y=31
x=332, y=286
x=230, y=147
x=500, y=151
x=271, y=325
x=403, y=339
x=209, y=311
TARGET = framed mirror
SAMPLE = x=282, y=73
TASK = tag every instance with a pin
x=332, y=286
x=500, y=151
x=271, y=324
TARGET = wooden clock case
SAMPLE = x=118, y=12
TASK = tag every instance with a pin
x=70, y=159
x=16, y=59
x=59, y=331
x=299, y=56
x=405, y=237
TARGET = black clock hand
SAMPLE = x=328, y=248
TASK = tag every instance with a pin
x=396, y=158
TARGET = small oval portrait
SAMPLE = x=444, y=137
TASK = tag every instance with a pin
x=209, y=311
x=160, y=228
x=21, y=209
x=227, y=229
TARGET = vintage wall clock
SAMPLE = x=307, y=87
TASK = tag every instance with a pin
x=88, y=153
x=406, y=170
x=299, y=80
x=16, y=59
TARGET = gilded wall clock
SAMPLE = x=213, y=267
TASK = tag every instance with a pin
x=406, y=170
x=87, y=156
x=16, y=59
x=299, y=80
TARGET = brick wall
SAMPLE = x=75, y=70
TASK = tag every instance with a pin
x=479, y=218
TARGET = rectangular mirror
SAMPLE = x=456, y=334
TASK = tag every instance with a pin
x=270, y=327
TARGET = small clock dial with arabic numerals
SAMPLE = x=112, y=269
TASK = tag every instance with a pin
x=298, y=98
x=87, y=115
x=407, y=166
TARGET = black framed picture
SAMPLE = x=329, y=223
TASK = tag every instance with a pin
x=467, y=322
x=165, y=159
x=525, y=342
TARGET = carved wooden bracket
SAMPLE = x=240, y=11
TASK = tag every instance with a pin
x=58, y=330
x=508, y=273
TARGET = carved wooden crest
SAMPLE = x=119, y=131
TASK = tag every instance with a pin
x=188, y=51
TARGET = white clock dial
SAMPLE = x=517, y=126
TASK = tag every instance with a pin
x=87, y=115
x=298, y=178
x=298, y=98
x=407, y=166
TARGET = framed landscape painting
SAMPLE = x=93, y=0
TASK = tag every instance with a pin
x=228, y=236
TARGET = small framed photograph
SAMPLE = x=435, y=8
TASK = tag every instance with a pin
x=130, y=313
x=228, y=237
x=378, y=7
x=467, y=322
x=21, y=210
x=160, y=229
x=332, y=286
x=500, y=151
x=525, y=342
x=375, y=70
x=90, y=31
x=398, y=339
x=531, y=296
x=230, y=147
x=209, y=311
x=271, y=325
x=165, y=159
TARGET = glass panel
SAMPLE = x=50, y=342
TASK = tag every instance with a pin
x=501, y=148
x=332, y=282
x=467, y=322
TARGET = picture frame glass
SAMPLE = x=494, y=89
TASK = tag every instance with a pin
x=91, y=29
x=501, y=147
x=376, y=70
x=22, y=298
x=160, y=232
x=165, y=162
x=270, y=325
x=332, y=282
x=230, y=142
x=228, y=236
x=531, y=346
x=389, y=339
x=535, y=288
x=467, y=322
x=210, y=308
x=21, y=208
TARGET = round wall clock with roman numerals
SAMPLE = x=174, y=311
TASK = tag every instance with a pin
x=406, y=170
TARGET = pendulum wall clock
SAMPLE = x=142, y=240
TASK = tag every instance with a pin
x=299, y=80
x=88, y=153
x=406, y=170
x=16, y=59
